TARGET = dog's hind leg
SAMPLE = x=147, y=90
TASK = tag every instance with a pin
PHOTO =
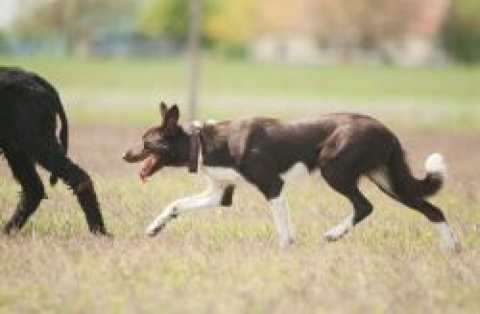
x=339, y=164
x=382, y=178
x=436, y=216
x=32, y=189
x=52, y=158
x=362, y=208
x=345, y=182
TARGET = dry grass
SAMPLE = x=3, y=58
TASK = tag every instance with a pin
x=228, y=260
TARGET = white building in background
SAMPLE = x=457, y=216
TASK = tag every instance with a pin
x=290, y=36
x=9, y=10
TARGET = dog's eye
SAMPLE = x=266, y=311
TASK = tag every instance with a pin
x=150, y=144
x=157, y=146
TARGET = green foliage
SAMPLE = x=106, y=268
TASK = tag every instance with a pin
x=461, y=35
x=170, y=18
x=231, y=21
x=167, y=18
x=225, y=25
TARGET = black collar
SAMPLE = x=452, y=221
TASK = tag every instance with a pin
x=194, y=150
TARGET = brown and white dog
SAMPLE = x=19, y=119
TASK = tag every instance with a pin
x=343, y=146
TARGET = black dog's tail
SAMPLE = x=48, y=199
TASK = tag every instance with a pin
x=63, y=135
x=64, y=124
x=57, y=109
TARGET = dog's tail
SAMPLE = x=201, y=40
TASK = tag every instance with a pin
x=64, y=123
x=54, y=100
x=406, y=186
x=63, y=134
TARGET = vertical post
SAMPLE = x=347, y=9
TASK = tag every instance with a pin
x=68, y=26
x=193, y=52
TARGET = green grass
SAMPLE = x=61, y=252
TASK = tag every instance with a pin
x=443, y=83
x=125, y=91
x=228, y=260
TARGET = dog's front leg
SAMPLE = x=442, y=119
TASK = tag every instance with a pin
x=210, y=198
x=281, y=216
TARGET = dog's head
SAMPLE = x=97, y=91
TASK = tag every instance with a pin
x=162, y=145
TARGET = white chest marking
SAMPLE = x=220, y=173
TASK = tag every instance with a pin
x=221, y=173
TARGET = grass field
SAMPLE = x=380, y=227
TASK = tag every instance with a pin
x=125, y=90
x=228, y=260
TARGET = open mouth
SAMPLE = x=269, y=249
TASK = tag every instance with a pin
x=151, y=165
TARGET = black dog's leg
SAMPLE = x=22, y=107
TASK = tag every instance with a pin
x=32, y=190
x=54, y=160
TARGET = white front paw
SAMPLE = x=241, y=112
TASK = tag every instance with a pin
x=455, y=247
x=155, y=227
x=335, y=233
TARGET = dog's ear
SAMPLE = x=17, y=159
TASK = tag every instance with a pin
x=163, y=109
x=172, y=116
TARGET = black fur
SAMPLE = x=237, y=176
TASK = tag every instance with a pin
x=29, y=106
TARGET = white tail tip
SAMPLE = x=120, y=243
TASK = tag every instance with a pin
x=435, y=164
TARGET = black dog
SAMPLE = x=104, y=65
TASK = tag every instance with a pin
x=29, y=106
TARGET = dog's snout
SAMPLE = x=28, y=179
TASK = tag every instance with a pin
x=135, y=154
x=127, y=156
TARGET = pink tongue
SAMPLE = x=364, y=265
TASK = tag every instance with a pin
x=143, y=176
x=146, y=170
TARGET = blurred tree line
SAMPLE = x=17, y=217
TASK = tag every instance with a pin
x=461, y=33
x=227, y=26
x=230, y=26
x=74, y=21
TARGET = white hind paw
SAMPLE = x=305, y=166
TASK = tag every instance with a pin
x=340, y=230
